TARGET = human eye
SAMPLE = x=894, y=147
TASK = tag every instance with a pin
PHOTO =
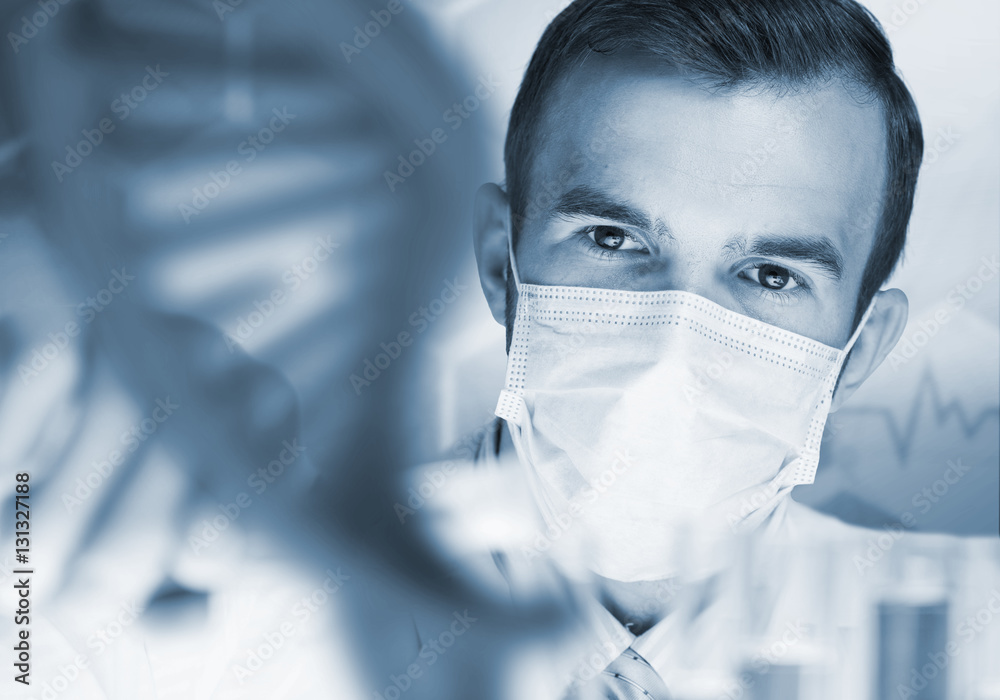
x=611, y=241
x=774, y=281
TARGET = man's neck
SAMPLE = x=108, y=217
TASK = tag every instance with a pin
x=638, y=605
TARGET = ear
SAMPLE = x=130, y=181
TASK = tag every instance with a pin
x=875, y=342
x=491, y=224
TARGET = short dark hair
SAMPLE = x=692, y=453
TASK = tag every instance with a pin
x=731, y=44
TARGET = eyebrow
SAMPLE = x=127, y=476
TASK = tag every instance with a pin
x=586, y=201
x=820, y=252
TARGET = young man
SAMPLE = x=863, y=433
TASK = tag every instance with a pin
x=703, y=201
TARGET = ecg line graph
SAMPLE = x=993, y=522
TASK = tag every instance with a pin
x=903, y=432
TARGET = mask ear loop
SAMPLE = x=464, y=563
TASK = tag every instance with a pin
x=846, y=352
x=861, y=326
x=510, y=406
x=797, y=476
x=510, y=255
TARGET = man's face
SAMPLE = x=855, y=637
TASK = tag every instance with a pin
x=762, y=202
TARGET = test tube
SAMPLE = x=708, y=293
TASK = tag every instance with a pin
x=784, y=681
x=910, y=635
x=912, y=632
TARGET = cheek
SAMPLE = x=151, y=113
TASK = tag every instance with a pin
x=529, y=252
x=836, y=322
x=546, y=258
x=552, y=266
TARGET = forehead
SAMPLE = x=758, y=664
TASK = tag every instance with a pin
x=741, y=159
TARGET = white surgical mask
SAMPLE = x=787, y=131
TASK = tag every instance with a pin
x=644, y=415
